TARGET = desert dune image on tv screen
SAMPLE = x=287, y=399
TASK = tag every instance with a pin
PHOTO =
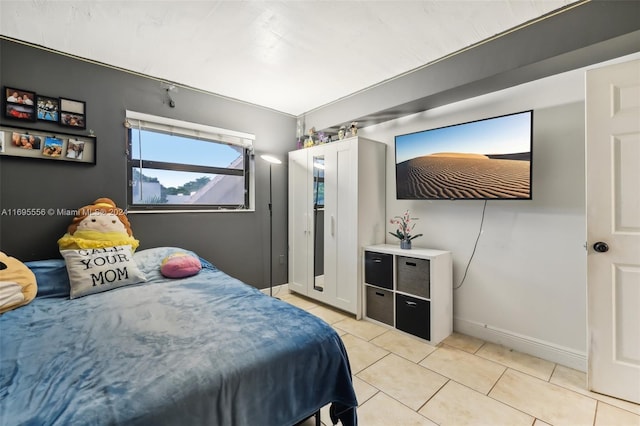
x=488, y=159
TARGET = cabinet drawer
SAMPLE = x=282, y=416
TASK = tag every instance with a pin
x=380, y=305
x=413, y=316
x=378, y=269
x=413, y=276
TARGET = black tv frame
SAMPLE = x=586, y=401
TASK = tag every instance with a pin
x=447, y=191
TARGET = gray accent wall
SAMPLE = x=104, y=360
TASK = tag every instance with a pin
x=237, y=242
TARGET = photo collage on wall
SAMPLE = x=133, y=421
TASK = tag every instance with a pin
x=21, y=142
x=28, y=106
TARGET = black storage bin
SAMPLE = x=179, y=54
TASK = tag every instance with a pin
x=412, y=316
x=378, y=269
x=413, y=276
x=380, y=305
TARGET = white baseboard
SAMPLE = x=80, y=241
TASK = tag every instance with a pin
x=529, y=345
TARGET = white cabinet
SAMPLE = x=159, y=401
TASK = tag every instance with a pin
x=410, y=290
x=336, y=205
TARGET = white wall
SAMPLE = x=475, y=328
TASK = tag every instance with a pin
x=526, y=285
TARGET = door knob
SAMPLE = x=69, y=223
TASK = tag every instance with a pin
x=601, y=247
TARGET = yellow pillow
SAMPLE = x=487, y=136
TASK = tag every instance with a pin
x=17, y=283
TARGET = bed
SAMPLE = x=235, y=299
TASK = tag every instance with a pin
x=206, y=349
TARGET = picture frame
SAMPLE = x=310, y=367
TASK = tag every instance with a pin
x=72, y=113
x=46, y=145
x=47, y=108
x=75, y=148
x=19, y=104
x=52, y=146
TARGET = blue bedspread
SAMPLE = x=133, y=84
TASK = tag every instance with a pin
x=201, y=350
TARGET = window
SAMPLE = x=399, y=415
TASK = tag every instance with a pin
x=176, y=165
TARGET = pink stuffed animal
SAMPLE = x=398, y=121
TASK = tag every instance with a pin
x=180, y=265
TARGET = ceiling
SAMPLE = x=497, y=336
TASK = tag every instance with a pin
x=290, y=56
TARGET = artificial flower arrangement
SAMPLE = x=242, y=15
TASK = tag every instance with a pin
x=405, y=227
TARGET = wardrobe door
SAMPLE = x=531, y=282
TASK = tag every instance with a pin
x=300, y=249
x=346, y=227
x=329, y=240
x=341, y=248
x=317, y=289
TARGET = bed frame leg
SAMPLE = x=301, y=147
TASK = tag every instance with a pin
x=316, y=414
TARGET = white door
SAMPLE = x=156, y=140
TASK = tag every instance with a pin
x=331, y=189
x=319, y=286
x=340, y=243
x=300, y=256
x=613, y=229
x=345, y=228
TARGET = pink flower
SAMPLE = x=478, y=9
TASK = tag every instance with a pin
x=404, y=226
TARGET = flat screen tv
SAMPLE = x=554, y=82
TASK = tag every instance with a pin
x=478, y=160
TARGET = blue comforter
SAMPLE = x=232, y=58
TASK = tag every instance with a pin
x=201, y=350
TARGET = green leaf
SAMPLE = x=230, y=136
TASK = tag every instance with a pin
x=396, y=234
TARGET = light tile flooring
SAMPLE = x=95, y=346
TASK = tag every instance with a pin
x=402, y=381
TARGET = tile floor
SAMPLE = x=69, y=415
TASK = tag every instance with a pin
x=402, y=381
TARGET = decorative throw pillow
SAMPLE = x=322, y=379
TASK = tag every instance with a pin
x=180, y=265
x=17, y=283
x=52, y=277
x=101, y=269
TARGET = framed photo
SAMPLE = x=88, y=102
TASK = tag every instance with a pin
x=25, y=140
x=19, y=104
x=47, y=108
x=33, y=143
x=75, y=149
x=72, y=113
x=52, y=146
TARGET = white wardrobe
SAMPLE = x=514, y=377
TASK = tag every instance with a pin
x=336, y=207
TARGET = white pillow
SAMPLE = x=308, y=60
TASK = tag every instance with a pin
x=101, y=269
